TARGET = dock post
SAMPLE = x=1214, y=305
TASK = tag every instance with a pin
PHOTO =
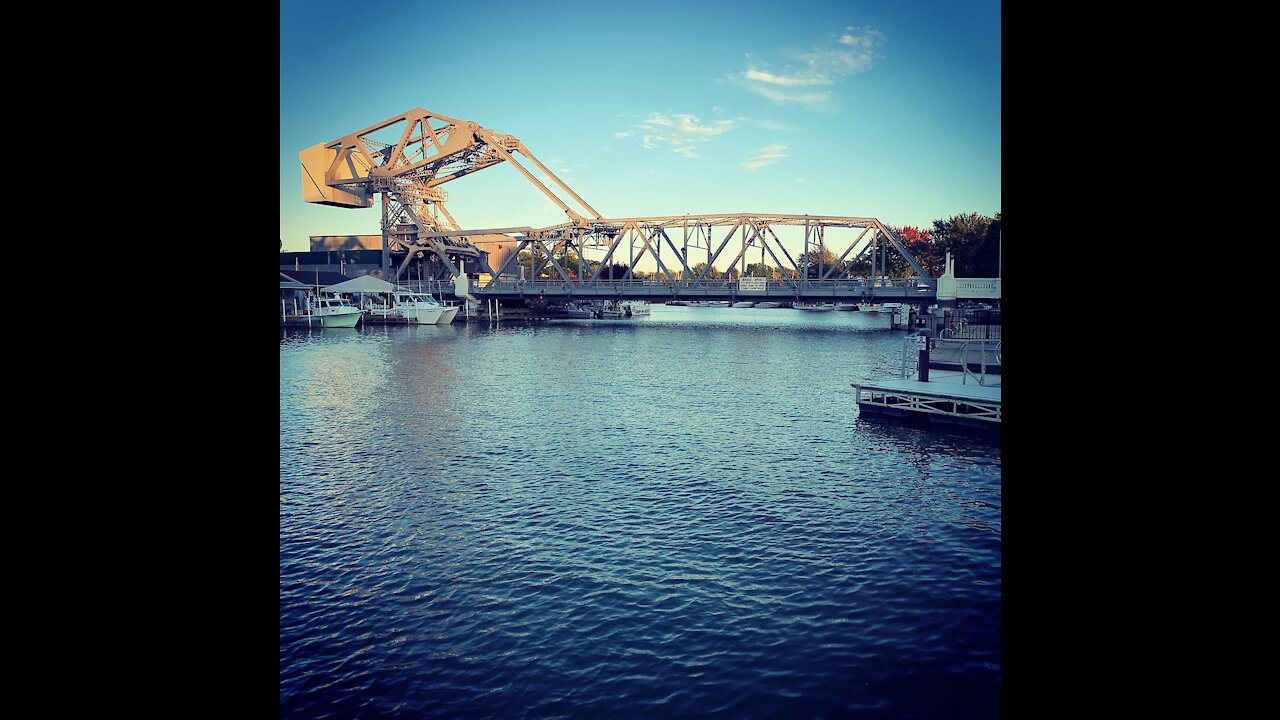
x=922, y=342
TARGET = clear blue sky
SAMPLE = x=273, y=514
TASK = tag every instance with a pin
x=879, y=108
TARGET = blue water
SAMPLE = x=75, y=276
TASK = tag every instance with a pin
x=679, y=515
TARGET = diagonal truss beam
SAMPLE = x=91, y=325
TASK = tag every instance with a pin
x=617, y=240
x=794, y=265
x=652, y=251
x=745, y=242
x=902, y=250
x=513, y=257
x=846, y=252
x=684, y=262
x=712, y=260
x=768, y=247
x=552, y=259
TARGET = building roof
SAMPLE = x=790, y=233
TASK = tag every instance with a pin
x=288, y=283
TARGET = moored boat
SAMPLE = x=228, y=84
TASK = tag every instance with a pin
x=450, y=312
x=410, y=307
x=768, y=304
x=814, y=307
x=625, y=308
x=332, y=311
x=744, y=304
x=846, y=307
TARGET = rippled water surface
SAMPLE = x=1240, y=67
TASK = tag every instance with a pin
x=676, y=515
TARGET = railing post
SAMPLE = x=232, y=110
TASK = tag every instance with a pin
x=922, y=342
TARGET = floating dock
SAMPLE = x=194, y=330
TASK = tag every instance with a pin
x=962, y=387
x=943, y=402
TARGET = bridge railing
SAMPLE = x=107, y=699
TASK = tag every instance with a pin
x=922, y=285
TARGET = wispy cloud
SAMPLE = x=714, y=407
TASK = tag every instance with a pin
x=788, y=80
x=682, y=133
x=853, y=52
x=767, y=155
x=770, y=124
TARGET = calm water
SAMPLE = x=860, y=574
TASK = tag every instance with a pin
x=676, y=515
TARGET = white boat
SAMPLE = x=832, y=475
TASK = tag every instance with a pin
x=450, y=312
x=716, y=303
x=626, y=308
x=744, y=303
x=678, y=303
x=846, y=306
x=868, y=307
x=814, y=307
x=768, y=304
x=414, y=308
x=890, y=308
x=332, y=311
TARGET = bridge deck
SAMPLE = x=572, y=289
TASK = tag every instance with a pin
x=851, y=290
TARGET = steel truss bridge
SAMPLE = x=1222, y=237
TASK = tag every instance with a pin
x=669, y=240
x=408, y=157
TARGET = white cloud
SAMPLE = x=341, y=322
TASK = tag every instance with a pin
x=862, y=38
x=855, y=52
x=807, y=98
x=770, y=124
x=624, y=133
x=809, y=79
x=683, y=133
x=767, y=155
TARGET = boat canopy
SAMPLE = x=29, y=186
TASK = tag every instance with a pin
x=364, y=283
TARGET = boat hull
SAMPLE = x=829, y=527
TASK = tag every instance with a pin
x=343, y=320
x=446, y=317
x=421, y=315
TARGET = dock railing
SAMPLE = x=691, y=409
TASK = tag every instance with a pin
x=984, y=353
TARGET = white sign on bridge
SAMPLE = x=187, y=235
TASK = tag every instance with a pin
x=752, y=284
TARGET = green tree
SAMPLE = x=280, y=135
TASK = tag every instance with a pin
x=712, y=273
x=828, y=259
x=974, y=242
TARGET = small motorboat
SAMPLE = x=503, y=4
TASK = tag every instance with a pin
x=332, y=311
